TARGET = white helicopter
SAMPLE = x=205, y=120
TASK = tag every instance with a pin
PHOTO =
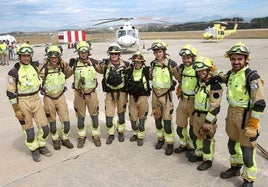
x=127, y=36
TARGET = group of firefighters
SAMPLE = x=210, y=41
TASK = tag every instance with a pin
x=199, y=90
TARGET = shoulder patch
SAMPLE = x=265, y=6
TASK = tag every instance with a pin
x=10, y=80
x=254, y=86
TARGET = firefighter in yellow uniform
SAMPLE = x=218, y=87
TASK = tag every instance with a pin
x=208, y=94
x=3, y=53
x=185, y=92
x=138, y=88
x=23, y=85
x=161, y=72
x=54, y=73
x=85, y=95
x=113, y=83
x=245, y=95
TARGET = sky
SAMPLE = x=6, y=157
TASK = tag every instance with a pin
x=41, y=15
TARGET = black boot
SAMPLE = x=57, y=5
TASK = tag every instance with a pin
x=194, y=158
x=205, y=165
x=67, y=143
x=133, y=138
x=121, y=137
x=110, y=139
x=231, y=172
x=247, y=183
x=36, y=155
x=159, y=144
x=139, y=142
x=44, y=151
x=181, y=149
x=169, y=150
x=97, y=141
x=56, y=144
x=81, y=142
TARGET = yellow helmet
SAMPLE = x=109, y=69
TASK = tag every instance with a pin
x=188, y=50
x=138, y=57
x=203, y=63
x=54, y=51
x=83, y=46
x=159, y=44
x=114, y=48
x=238, y=48
x=25, y=49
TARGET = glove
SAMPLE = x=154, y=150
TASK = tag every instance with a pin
x=179, y=92
x=206, y=131
x=72, y=62
x=18, y=112
x=156, y=112
x=213, y=80
x=251, y=129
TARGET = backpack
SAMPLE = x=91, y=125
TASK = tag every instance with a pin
x=114, y=78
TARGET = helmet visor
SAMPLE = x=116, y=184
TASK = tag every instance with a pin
x=200, y=66
x=184, y=52
x=114, y=49
x=239, y=49
x=53, y=54
x=83, y=49
x=25, y=50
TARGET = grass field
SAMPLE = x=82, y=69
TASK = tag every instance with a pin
x=240, y=34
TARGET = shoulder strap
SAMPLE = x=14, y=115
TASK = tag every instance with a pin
x=249, y=75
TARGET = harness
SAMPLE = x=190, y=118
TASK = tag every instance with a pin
x=188, y=96
x=43, y=91
x=74, y=68
x=172, y=88
x=15, y=71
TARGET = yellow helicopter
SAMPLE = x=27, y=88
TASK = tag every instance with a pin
x=218, y=31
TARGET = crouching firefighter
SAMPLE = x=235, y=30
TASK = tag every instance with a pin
x=161, y=72
x=207, y=103
x=138, y=88
x=113, y=83
x=54, y=73
x=23, y=86
x=85, y=95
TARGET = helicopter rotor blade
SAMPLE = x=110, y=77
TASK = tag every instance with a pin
x=108, y=20
x=105, y=22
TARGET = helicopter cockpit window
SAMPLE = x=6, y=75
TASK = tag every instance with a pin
x=131, y=33
x=121, y=33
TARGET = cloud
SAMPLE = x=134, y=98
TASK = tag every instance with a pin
x=31, y=15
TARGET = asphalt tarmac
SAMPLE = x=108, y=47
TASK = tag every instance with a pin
x=125, y=163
